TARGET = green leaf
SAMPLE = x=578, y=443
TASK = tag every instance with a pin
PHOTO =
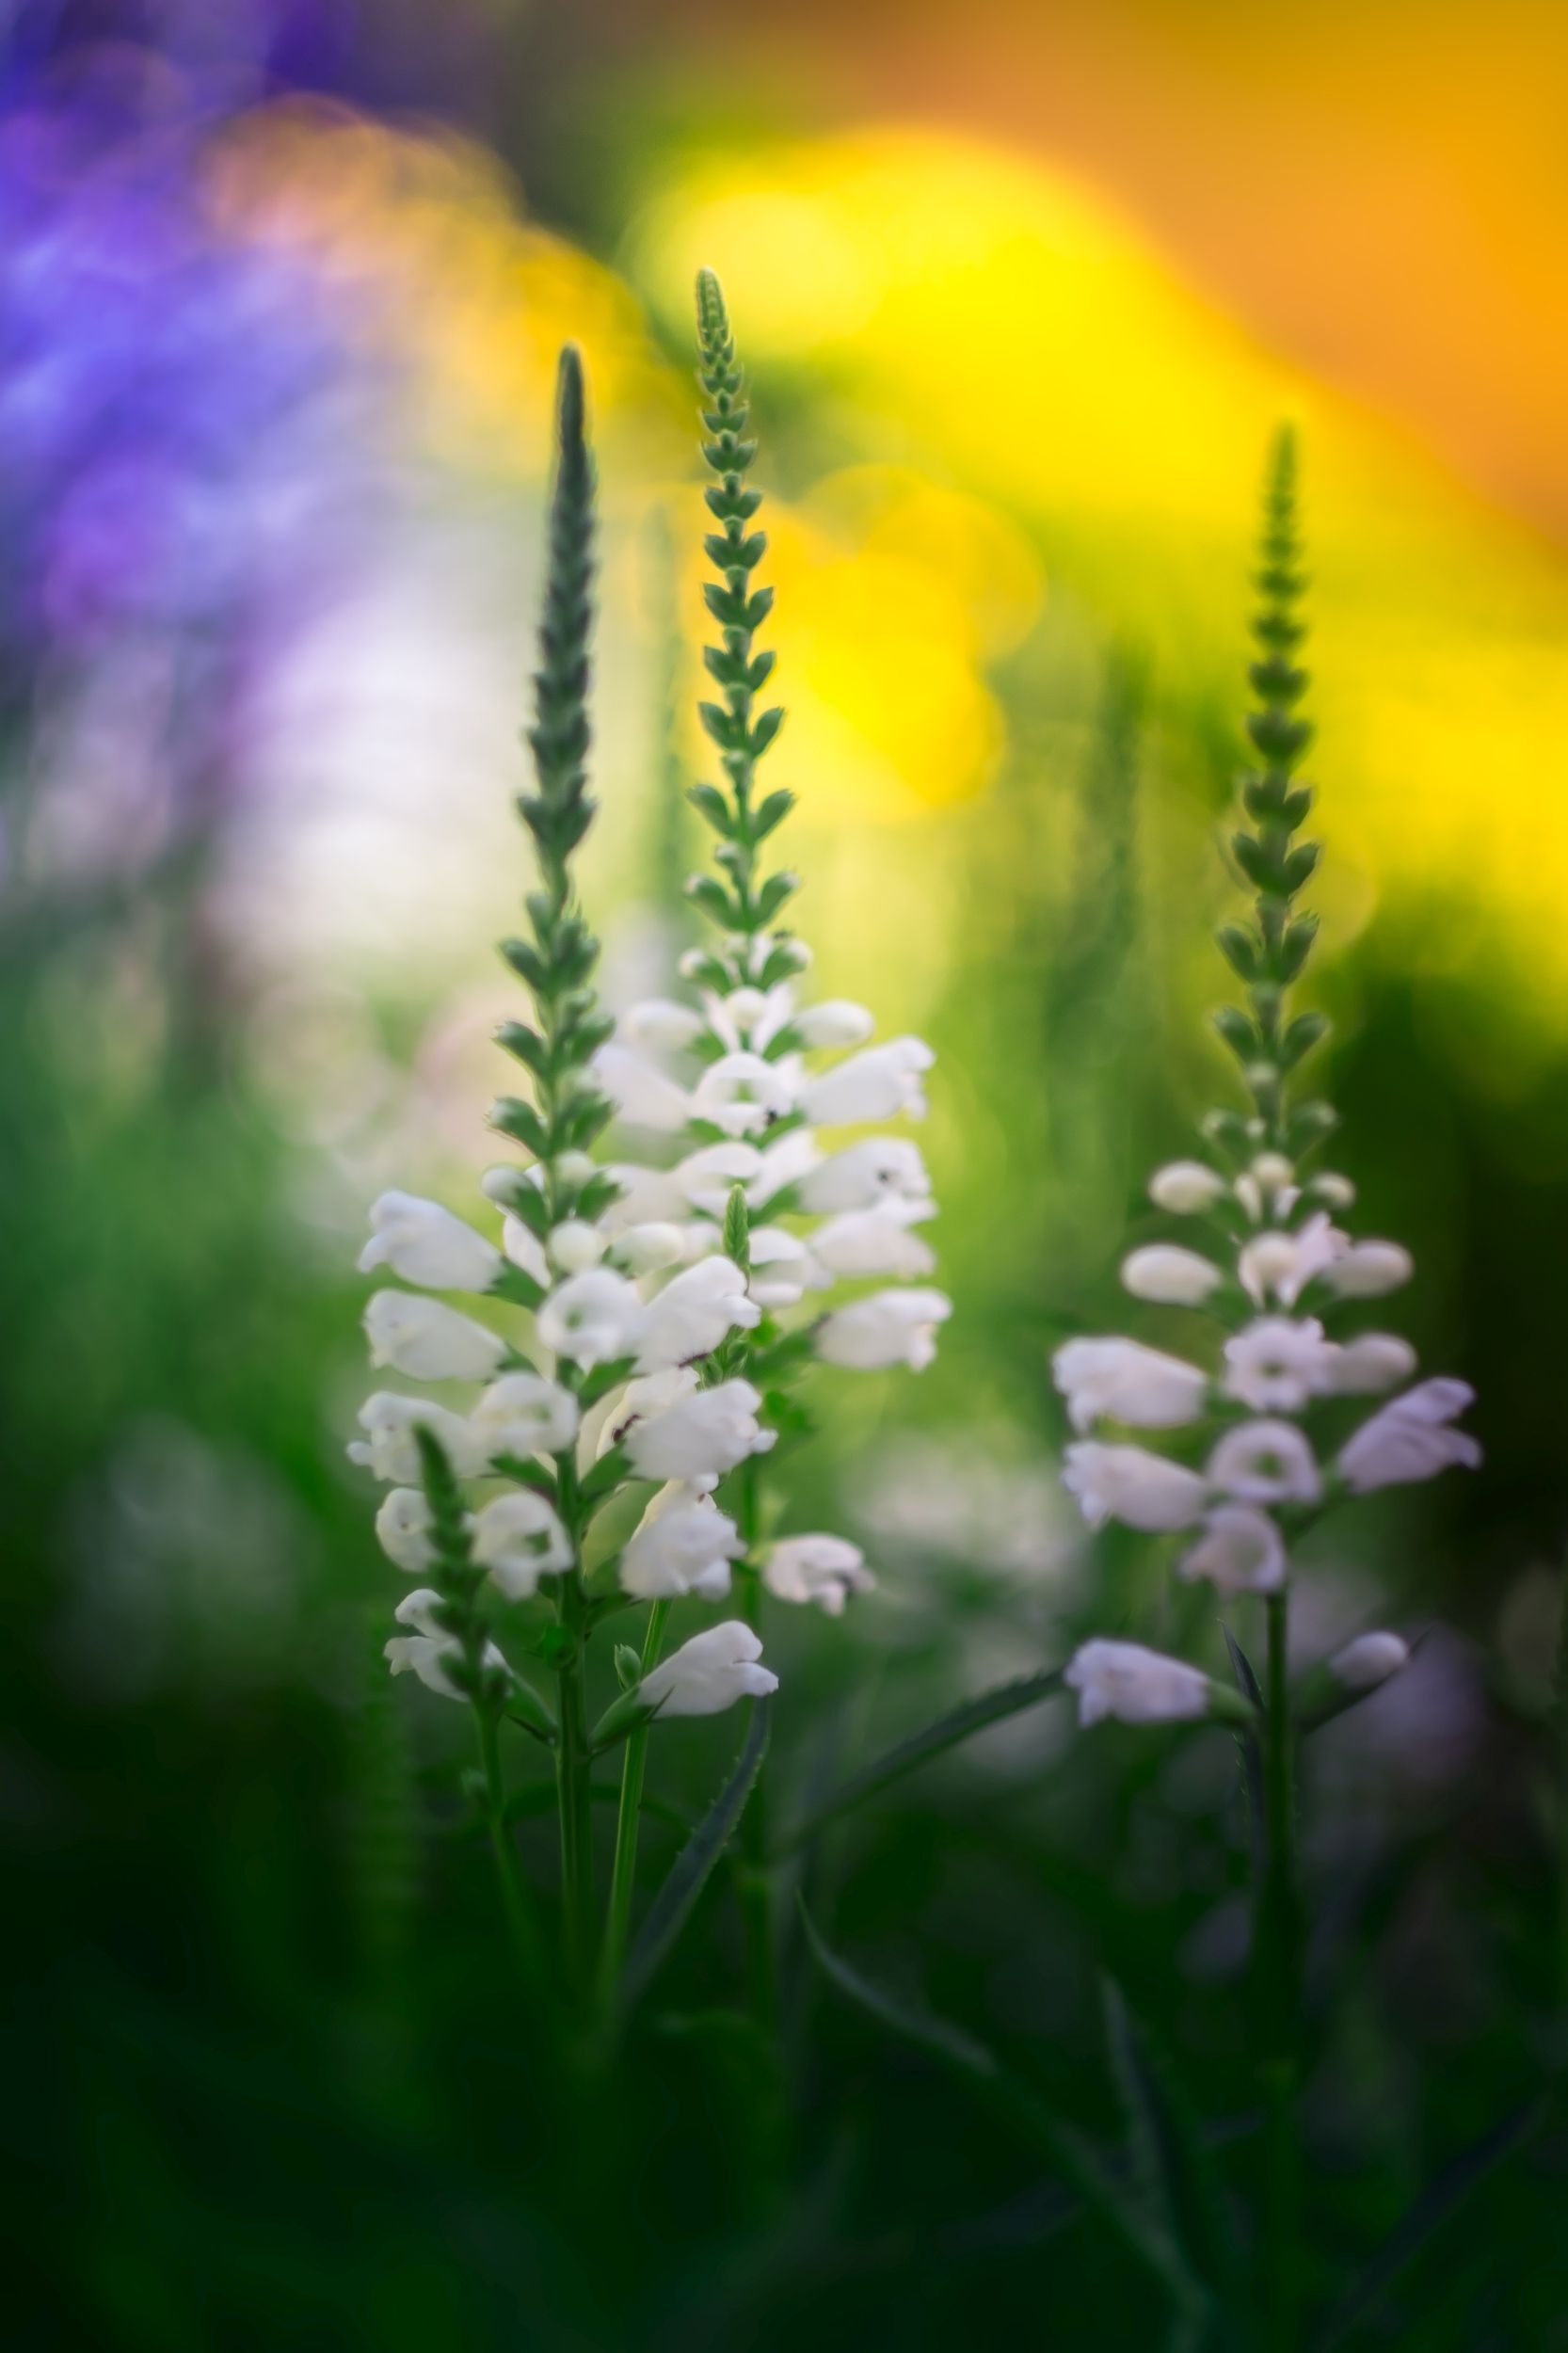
x=1173, y=2166
x=693, y=1866
x=1026, y=2110
x=989, y=1707
x=1431, y=2213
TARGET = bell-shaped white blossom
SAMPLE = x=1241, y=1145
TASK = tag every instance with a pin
x=1126, y=1382
x=704, y=1177
x=660, y=1023
x=888, y=1328
x=427, y=1245
x=1138, y=1686
x=640, y=1090
x=430, y=1652
x=1174, y=1277
x=403, y=1530
x=519, y=1538
x=1369, y=1660
x=428, y=1340
x=1277, y=1363
x=574, y=1245
x=649, y=1248
x=1410, y=1438
x=783, y=1268
x=1367, y=1270
x=1131, y=1484
x=1186, y=1187
x=1241, y=1551
x=1266, y=1462
x=878, y=1168
x=523, y=1414
x=879, y=1082
x=684, y=1544
x=822, y=1569
x=1279, y=1266
x=594, y=1318
x=749, y=1016
x=702, y=1434
x=1371, y=1363
x=874, y=1241
x=692, y=1313
x=742, y=1094
x=389, y=1450
x=833, y=1021
x=787, y=1161
x=1335, y=1191
x=710, y=1673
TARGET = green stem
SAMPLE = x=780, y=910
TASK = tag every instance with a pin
x=1279, y=1934
x=515, y=1900
x=628, y=1823
x=573, y=1763
x=756, y=1884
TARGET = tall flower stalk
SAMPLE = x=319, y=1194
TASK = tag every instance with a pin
x=1269, y=1436
x=733, y=1083
x=641, y=1336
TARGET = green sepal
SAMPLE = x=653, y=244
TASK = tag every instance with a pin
x=510, y=1117
x=713, y=807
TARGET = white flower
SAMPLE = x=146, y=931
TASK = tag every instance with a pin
x=1366, y=1366
x=879, y=1082
x=834, y=1022
x=660, y=1023
x=1281, y=1265
x=888, y=1328
x=429, y=1341
x=519, y=1538
x=389, y=1450
x=684, y=1544
x=1275, y=1365
x=1368, y=1269
x=701, y=1435
x=649, y=1248
x=1266, y=1462
x=783, y=1268
x=741, y=1094
x=1337, y=1191
x=710, y=1673
x=430, y=1651
x=704, y=1177
x=823, y=1569
x=1185, y=1187
x=593, y=1318
x=749, y=1016
x=786, y=1161
x=402, y=1527
x=639, y=1090
x=1139, y=1386
x=426, y=1244
x=525, y=1250
x=874, y=1241
x=1139, y=1686
x=1239, y=1551
x=574, y=1245
x=878, y=1168
x=523, y=1414
x=1174, y=1278
x=692, y=1314
x=1369, y=1660
x=1410, y=1439
x=1131, y=1484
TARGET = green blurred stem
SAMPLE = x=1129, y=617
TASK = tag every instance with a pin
x=628, y=1823
x=572, y=1758
x=755, y=1882
x=1277, y=1960
x=515, y=1899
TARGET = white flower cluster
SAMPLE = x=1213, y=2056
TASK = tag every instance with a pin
x=1276, y=1271
x=600, y=1303
x=747, y=1114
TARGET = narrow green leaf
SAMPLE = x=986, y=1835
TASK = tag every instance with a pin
x=990, y=1708
x=693, y=1866
x=1172, y=2161
x=1023, y=2107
